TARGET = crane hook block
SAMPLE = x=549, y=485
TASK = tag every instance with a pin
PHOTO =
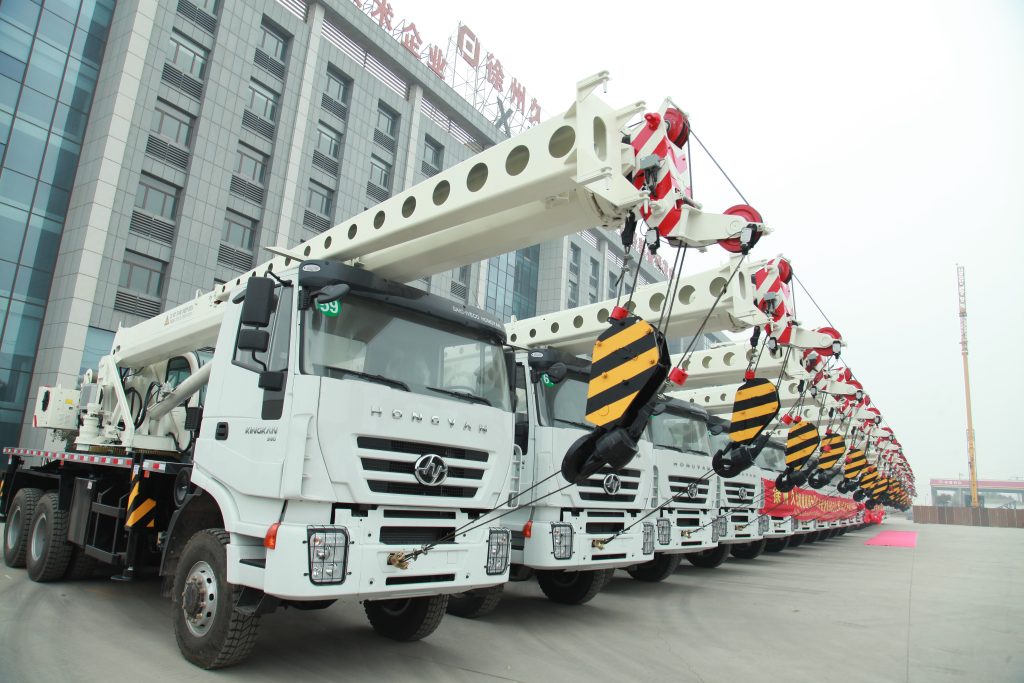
x=755, y=406
x=629, y=364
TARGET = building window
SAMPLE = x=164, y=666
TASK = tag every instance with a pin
x=208, y=6
x=328, y=141
x=273, y=43
x=572, y=300
x=251, y=164
x=239, y=231
x=612, y=289
x=380, y=172
x=595, y=280
x=262, y=101
x=142, y=274
x=337, y=87
x=433, y=154
x=321, y=199
x=387, y=122
x=574, y=259
x=188, y=56
x=172, y=123
x=157, y=197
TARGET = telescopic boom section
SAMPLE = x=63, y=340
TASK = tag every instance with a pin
x=563, y=175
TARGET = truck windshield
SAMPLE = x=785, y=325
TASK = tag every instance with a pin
x=772, y=458
x=373, y=341
x=680, y=433
x=564, y=404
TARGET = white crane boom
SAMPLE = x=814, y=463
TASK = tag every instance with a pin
x=575, y=330
x=563, y=175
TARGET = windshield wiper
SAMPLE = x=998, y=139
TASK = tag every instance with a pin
x=381, y=379
x=581, y=425
x=670, y=447
x=462, y=394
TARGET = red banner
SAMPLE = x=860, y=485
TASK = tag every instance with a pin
x=807, y=504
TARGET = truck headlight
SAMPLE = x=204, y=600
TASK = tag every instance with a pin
x=723, y=526
x=328, y=554
x=794, y=524
x=648, y=548
x=762, y=526
x=499, y=547
x=714, y=532
x=561, y=540
x=664, y=531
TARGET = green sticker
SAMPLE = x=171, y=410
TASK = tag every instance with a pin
x=546, y=380
x=330, y=310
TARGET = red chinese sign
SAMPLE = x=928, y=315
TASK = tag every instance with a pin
x=807, y=504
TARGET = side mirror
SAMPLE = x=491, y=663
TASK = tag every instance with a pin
x=253, y=340
x=258, y=304
x=272, y=380
x=331, y=293
x=555, y=374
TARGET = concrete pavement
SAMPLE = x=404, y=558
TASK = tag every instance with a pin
x=951, y=609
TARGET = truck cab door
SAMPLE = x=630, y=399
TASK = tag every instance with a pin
x=245, y=426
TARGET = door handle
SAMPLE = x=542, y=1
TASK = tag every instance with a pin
x=222, y=431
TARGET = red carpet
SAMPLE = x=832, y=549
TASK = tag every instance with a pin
x=900, y=539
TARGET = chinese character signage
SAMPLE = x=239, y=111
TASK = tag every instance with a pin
x=477, y=74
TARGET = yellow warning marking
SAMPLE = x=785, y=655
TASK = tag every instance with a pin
x=745, y=435
x=131, y=496
x=612, y=411
x=626, y=371
x=141, y=512
x=756, y=411
x=603, y=347
x=760, y=389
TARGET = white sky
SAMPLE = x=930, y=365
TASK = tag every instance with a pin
x=881, y=140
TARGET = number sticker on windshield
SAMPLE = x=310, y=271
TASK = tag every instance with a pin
x=330, y=310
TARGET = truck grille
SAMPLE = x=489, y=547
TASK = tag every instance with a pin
x=734, y=496
x=393, y=456
x=593, y=488
x=604, y=527
x=680, y=487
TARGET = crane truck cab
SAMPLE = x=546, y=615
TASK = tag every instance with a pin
x=772, y=461
x=571, y=537
x=684, y=490
x=739, y=527
x=349, y=421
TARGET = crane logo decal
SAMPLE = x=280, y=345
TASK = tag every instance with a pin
x=430, y=470
x=692, y=490
x=612, y=484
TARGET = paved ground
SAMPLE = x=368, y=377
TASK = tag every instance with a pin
x=950, y=609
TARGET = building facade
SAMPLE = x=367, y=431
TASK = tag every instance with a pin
x=179, y=139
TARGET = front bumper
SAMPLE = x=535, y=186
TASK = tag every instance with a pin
x=779, y=527
x=743, y=526
x=689, y=531
x=626, y=550
x=448, y=568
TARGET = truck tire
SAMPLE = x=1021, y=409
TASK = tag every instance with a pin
x=811, y=537
x=749, y=551
x=406, y=619
x=796, y=540
x=776, y=545
x=710, y=558
x=475, y=603
x=210, y=632
x=573, y=588
x=658, y=569
x=19, y=523
x=49, y=552
x=81, y=566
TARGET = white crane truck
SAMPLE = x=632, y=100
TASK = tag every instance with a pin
x=347, y=420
